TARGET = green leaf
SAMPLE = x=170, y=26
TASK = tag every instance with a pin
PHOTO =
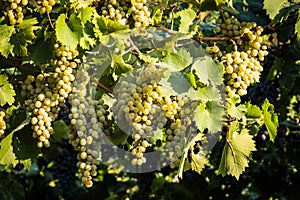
x=253, y=111
x=208, y=94
x=64, y=34
x=179, y=60
x=5, y=33
x=237, y=112
x=191, y=78
x=7, y=156
x=23, y=36
x=7, y=92
x=297, y=25
x=236, y=154
x=270, y=119
x=273, y=7
x=10, y=188
x=198, y=154
x=208, y=71
x=187, y=17
x=107, y=26
x=209, y=116
x=85, y=14
x=170, y=84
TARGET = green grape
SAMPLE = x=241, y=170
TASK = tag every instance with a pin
x=15, y=10
x=89, y=119
x=242, y=65
x=3, y=124
x=45, y=5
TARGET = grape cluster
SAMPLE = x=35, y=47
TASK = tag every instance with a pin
x=228, y=26
x=45, y=5
x=141, y=14
x=243, y=63
x=88, y=130
x=118, y=10
x=138, y=109
x=48, y=91
x=42, y=103
x=2, y=123
x=177, y=129
x=115, y=10
x=142, y=109
x=15, y=10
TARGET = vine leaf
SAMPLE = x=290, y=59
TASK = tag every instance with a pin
x=208, y=94
x=236, y=153
x=209, y=116
x=7, y=156
x=179, y=60
x=234, y=111
x=270, y=119
x=107, y=26
x=24, y=36
x=273, y=7
x=64, y=34
x=7, y=92
x=208, y=71
x=187, y=17
x=198, y=154
x=5, y=34
x=297, y=25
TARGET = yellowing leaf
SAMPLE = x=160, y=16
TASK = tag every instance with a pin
x=7, y=156
x=198, y=154
x=270, y=119
x=187, y=17
x=5, y=34
x=236, y=153
x=7, y=92
x=273, y=7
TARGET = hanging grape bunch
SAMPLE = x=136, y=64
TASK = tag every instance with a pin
x=2, y=123
x=48, y=91
x=15, y=10
x=243, y=63
x=142, y=109
x=124, y=12
x=45, y=5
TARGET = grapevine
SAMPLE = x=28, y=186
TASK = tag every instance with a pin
x=137, y=99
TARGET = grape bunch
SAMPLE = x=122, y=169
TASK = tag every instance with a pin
x=15, y=10
x=42, y=103
x=48, y=91
x=141, y=14
x=45, y=5
x=115, y=10
x=87, y=129
x=243, y=62
x=2, y=123
x=138, y=109
x=124, y=11
x=141, y=109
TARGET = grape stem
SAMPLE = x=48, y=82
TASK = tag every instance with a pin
x=51, y=24
x=220, y=38
x=205, y=38
x=134, y=47
x=103, y=87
